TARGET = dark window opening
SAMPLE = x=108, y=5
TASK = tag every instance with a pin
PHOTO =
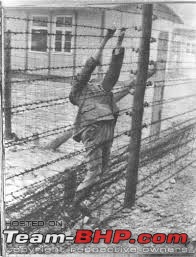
x=39, y=40
x=58, y=41
x=67, y=46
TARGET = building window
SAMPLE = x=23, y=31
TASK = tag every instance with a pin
x=67, y=45
x=58, y=41
x=63, y=35
x=64, y=21
x=39, y=33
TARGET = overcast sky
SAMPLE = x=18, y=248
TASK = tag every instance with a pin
x=187, y=12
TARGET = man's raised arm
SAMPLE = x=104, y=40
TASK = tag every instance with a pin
x=129, y=87
x=113, y=72
x=81, y=80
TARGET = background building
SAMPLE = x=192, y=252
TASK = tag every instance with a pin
x=49, y=35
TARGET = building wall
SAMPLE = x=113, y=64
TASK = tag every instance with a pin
x=183, y=54
x=18, y=56
x=61, y=59
x=85, y=45
x=31, y=60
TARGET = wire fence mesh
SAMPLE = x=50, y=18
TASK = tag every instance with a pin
x=45, y=54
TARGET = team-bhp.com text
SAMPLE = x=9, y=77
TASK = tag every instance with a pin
x=88, y=236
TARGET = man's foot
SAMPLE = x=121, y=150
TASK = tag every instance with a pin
x=76, y=210
x=87, y=183
x=110, y=32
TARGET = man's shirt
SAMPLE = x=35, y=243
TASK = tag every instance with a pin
x=94, y=102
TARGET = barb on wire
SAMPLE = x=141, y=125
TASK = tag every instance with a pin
x=123, y=111
x=79, y=152
x=39, y=102
x=52, y=22
x=46, y=78
x=45, y=133
x=121, y=170
x=106, y=182
x=171, y=100
x=51, y=102
x=40, y=183
x=67, y=156
x=94, y=48
x=73, y=35
x=122, y=191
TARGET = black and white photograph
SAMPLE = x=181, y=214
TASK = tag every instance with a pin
x=98, y=128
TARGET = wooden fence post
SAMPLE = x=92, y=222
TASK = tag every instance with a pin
x=27, y=41
x=50, y=43
x=138, y=105
x=7, y=89
x=159, y=86
x=75, y=43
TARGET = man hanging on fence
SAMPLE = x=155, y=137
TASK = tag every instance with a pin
x=98, y=112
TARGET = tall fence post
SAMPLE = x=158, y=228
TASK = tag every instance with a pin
x=7, y=89
x=159, y=86
x=138, y=105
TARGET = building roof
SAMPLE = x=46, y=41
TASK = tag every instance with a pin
x=71, y=3
x=77, y=4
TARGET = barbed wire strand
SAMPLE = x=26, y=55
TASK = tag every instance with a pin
x=75, y=153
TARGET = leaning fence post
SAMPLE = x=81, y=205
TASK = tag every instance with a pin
x=7, y=89
x=138, y=105
x=2, y=152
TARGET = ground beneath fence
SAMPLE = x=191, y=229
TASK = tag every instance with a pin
x=170, y=208
x=166, y=203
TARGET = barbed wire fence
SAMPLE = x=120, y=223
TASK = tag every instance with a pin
x=37, y=110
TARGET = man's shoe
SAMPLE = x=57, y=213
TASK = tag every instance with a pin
x=87, y=183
